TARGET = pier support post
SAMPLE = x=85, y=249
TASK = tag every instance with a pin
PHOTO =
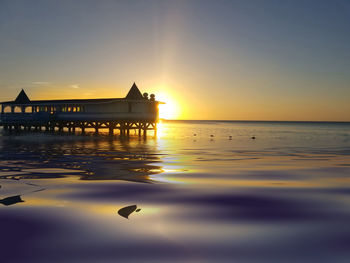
x=145, y=132
x=122, y=130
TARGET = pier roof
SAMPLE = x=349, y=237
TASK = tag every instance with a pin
x=22, y=98
x=69, y=101
x=134, y=94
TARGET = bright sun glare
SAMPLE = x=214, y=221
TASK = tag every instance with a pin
x=169, y=110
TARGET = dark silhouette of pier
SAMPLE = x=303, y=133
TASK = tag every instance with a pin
x=135, y=112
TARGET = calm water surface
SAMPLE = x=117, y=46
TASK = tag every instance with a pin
x=203, y=196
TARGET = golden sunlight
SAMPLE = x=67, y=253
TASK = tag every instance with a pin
x=170, y=110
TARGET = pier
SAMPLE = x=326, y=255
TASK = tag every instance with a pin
x=136, y=114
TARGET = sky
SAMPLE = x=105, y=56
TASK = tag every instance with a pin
x=222, y=60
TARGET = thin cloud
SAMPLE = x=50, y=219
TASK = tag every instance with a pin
x=75, y=86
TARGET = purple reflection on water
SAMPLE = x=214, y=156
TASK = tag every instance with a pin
x=283, y=197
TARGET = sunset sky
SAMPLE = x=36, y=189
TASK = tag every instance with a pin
x=233, y=60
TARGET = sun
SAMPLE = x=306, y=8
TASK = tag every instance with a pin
x=170, y=109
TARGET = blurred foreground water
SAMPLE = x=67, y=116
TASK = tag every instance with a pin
x=202, y=191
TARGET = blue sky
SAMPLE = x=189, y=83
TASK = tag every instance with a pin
x=266, y=60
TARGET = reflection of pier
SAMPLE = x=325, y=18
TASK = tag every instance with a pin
x=134, y=112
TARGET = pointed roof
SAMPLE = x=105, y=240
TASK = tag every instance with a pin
x=22, y=98
x=134, y=93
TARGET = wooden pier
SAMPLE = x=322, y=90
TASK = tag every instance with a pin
x=124, y=129
x=136, y=114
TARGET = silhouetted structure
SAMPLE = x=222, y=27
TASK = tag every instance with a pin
x=11, y=200
x=128, y=210
x=134, y=112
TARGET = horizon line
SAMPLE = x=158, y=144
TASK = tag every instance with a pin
x=223, y=120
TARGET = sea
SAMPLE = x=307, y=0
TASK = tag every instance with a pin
x=199, y=191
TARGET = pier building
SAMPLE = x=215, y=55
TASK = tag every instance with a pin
x=136, y=112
